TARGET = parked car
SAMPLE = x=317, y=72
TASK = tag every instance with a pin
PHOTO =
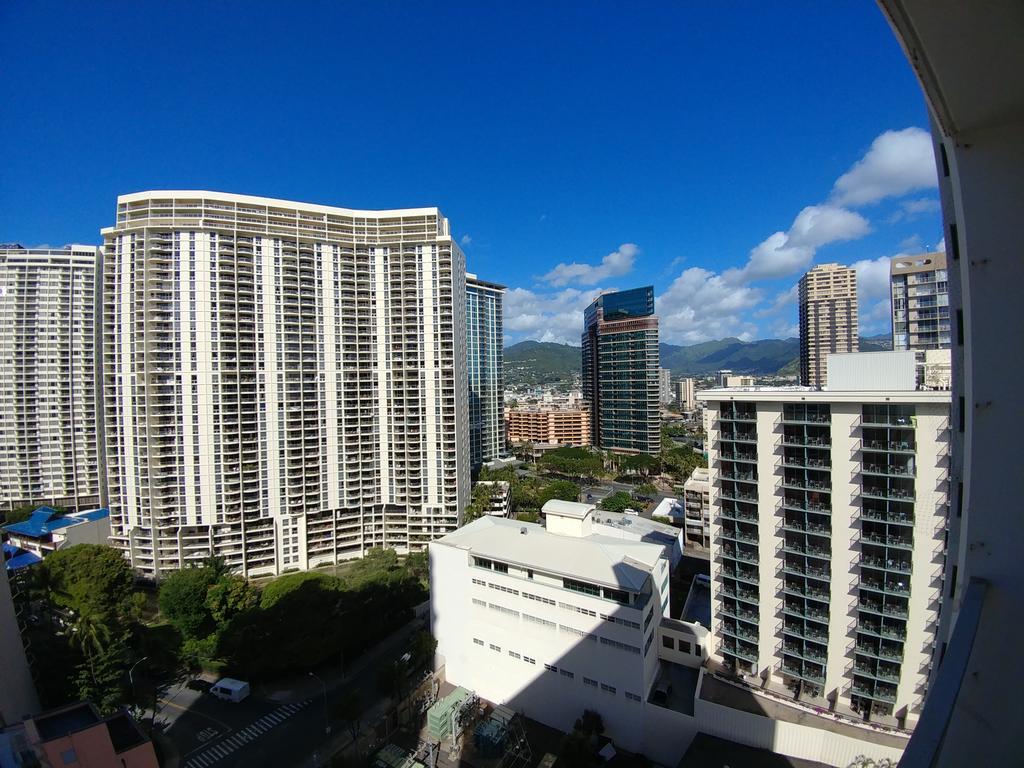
x=229, y=689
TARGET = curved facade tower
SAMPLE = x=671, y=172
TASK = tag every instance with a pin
x=284, y=383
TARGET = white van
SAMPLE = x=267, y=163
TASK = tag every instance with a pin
x=229, y=689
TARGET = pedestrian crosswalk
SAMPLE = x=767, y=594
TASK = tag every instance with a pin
x=217, y=752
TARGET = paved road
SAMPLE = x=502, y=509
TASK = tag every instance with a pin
x=281, y=725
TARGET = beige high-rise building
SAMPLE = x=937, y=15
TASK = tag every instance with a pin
x=828, y=319
x=48, y=442
x=685, y=394
x=285, y=383
x=566, y=426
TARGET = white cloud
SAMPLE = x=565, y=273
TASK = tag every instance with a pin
x=702, y=305
x=556, y=317
x=873, y=294
x=782, y=302
x=941, y=246
x=786, y=253
x=466, y=240
x=898, y=162
x=615, y=264
x=912, y=243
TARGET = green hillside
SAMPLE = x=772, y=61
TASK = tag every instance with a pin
x=540, y=362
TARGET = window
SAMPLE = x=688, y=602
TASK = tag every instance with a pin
x=478, y=641
x=666, y=641
x=567, y=674
x=495, y=647
x=482, y=603
x=618, y=595
x=684, y=646
x=632, y=696
x=528, y=660
x=550, y=668
x=608, y=689
x=591, y=683
x=514, y=655
x=581, y=586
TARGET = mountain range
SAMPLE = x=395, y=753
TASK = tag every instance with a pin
x=538, y=362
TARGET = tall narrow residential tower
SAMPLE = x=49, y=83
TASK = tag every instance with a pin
x=285, y=383
x=48, y=448
x=920, y=302
x=620, y=371
x=828, y=521
x=828, y=319
x=485, y=362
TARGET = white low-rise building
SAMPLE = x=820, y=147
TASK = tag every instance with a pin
x=552, y=621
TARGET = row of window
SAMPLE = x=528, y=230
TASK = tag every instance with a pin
x=564, y=673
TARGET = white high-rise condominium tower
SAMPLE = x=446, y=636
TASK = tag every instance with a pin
x=828, y=522
x=285, y=383
x=48, y=443
x=485, y=361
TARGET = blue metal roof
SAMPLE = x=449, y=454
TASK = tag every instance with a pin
x=46, y=520
x=17, y=558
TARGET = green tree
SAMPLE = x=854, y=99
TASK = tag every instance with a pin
x=283, y=586
x=101, y=677
x=478, y=505
x=230, y=596
x=616, y=502
x=183, y=601
x=558, y=489
x=574, y=462
x=348, y=707
x=90, y=579
x=642, y=464
x=421, y=649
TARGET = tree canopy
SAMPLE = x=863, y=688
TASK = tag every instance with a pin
x=90, y=580
x=573, y=462
x=616, y=502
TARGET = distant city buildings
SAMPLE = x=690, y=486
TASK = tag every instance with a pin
x=285, y=384
x=829, y=509
x=828, y=319
x=665, y=386
x=920, y=302
x=620, y=371
x=684, y=391
x=485, y=341
x=727, y=378
x=48, y=366
x=920, y=315
x=565, y=426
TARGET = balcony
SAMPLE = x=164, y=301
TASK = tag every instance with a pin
x=802, y=673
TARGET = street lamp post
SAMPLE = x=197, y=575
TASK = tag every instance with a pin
x=327, y=723
x=131, y=680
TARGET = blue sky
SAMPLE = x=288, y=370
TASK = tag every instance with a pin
x=714, y=152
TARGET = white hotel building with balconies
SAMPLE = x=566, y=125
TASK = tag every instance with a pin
x=828, y=520
x=284, y=383
x=48, y=441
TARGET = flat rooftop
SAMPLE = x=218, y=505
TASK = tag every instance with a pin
x=747, y=700
x=806, y=394
x=70, y=719
x=697, y=608
x=605, y=560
